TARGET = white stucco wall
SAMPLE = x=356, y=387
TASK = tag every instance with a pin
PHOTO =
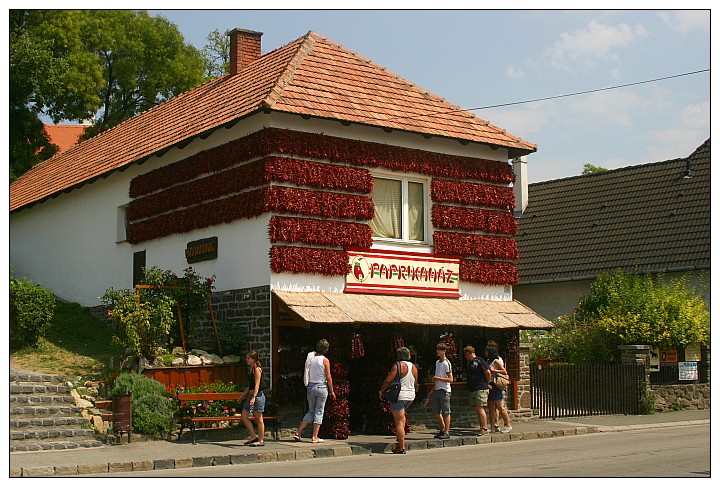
x=68, y=243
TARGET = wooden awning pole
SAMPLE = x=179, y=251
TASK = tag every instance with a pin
x=182, y=331
x=212, y=317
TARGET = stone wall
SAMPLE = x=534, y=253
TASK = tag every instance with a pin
x=248, y=310
x=681, y=396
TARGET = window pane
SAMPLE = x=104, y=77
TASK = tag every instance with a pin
x=416, y=211
x=387, y=196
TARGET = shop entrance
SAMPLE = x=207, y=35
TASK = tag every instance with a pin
x=361, y=356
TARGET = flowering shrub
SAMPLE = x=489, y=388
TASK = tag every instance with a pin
x=207, y=408
x=145, y=321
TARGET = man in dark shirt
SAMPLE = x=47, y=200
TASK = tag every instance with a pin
x=478, y=376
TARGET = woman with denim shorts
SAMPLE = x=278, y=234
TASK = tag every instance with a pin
x=408, y=383
x=254, y=401
x=318, y=388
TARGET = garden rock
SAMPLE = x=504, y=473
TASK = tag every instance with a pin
x=211, y=359
x=232, y=359
x=194, y=360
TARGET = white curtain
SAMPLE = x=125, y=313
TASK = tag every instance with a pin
x=416, y=211
x=387, y=196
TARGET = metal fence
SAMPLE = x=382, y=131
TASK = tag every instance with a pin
x=586, y=390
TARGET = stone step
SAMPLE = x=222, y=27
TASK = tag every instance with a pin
x=40, y=400
x=36, y=378
x=49, y=435
x=49, y=410
x=33, y=388
x=34, y=445
x=47, y=422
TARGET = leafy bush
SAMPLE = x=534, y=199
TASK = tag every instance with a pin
x=147, y=322
x=143, y=325
x=641, y=310
x=152, y=415
x=31, y=312
x=625, y=309
x=136, y=384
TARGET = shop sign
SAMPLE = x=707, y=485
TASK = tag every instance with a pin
x=687, y=371
x=199, y=250
x=668, y=357
x=403, y=273
x=692, y=352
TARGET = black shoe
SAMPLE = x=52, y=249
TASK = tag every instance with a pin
x=250, y=442
x=401, y=452
x=444, y=436
x=439, y=434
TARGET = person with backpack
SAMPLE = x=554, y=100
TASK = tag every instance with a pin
x=478, y=378
x=495, y=397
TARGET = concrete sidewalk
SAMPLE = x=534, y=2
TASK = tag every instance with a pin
x=159, y=455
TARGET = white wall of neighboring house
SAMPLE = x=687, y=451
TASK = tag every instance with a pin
x=68, y=243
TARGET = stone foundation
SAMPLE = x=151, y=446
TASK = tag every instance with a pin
x=681, y=396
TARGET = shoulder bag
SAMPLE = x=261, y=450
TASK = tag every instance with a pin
x=392, y=393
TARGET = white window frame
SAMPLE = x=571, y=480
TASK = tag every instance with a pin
x=404, y=180
x=121, y=224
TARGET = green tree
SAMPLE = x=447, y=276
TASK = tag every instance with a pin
x=106, y=65
x=217, y=54
x=590, y=169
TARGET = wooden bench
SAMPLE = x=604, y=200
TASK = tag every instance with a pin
x=187, y=414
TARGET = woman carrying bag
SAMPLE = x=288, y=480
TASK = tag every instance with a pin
x=406, y=373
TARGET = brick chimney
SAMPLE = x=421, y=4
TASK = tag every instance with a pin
x=244, y=48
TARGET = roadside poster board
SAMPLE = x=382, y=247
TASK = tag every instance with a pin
x=669, y=357
x=687, y=371
x=655, y=359
x=692, y=352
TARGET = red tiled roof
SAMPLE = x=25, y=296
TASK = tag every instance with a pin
x=64, y=136
x=310, y=76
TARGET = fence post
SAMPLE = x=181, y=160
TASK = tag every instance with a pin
x=638, y=355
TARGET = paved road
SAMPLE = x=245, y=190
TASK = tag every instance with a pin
x=683, y=451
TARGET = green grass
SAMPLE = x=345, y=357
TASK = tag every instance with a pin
x=77, y=345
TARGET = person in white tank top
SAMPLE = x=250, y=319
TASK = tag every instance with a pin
x=408, y=384
x=319, y=387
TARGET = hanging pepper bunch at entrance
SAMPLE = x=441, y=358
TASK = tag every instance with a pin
x=337, y=424
x=396, y=341
x=357, y=349
x=448, y=340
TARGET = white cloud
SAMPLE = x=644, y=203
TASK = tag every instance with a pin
x=514, y=72
x=614, y=108
x=523, y=123
x=686, y=21
x=697, y=116
x=596, y=42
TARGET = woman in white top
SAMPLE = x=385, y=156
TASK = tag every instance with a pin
x=319, y=386
x=408, y=384
x=495, y=397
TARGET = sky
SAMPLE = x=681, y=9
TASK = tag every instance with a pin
x=484, y=58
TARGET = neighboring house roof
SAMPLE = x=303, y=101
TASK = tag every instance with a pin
x=311, y=76
x=646, y=218
x=64, y=136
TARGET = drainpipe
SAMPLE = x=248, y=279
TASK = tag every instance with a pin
x=520, y=186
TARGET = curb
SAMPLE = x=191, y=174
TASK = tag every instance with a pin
x=282, y=456
x=327, y=451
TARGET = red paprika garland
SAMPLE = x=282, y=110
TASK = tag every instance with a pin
x=306, y=260
x=320, y=232
x=461, y=218
x=453, y=243
x=492, y=273
x=443, y=190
